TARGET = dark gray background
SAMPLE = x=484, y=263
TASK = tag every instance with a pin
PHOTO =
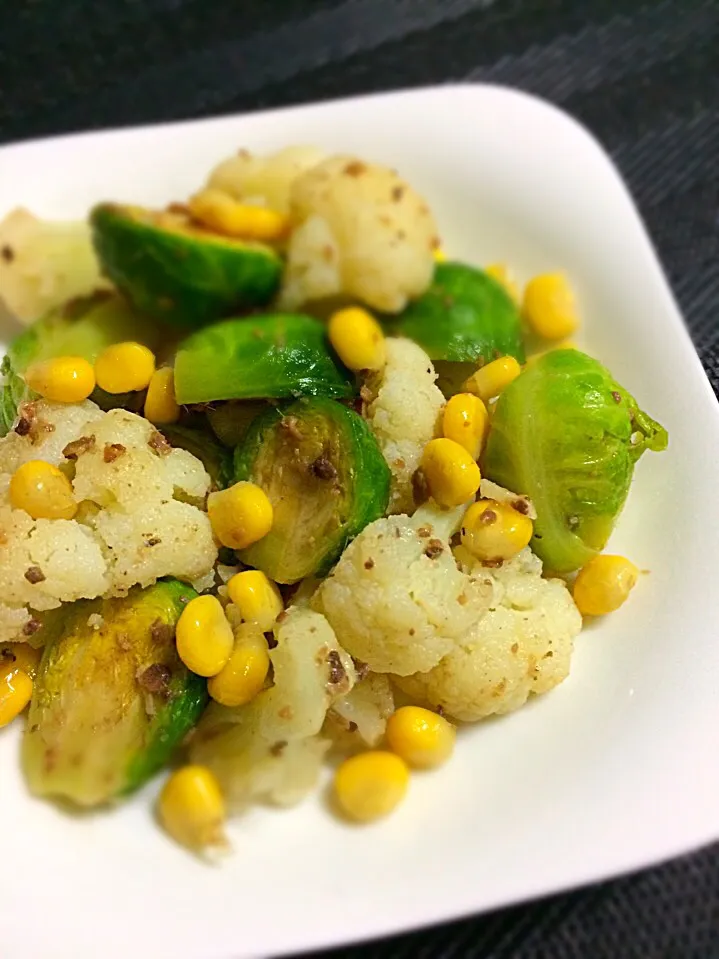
x=643, y=76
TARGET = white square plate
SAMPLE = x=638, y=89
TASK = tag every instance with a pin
x=614, y=770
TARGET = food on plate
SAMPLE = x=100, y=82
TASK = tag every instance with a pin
x=44, y=263
x=250, y=542
x=171, y=268
x=267, y=357
x=567, y=434
x=360, y=231
x=112, y=699
x=403, y=408
x=465, y=316
x=80, y=329
x=326, y=478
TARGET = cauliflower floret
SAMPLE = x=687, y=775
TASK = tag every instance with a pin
x=359, y=719
x=44, y=264
x=520, y=646
x=379, y=235
x=271, y=749
x=404, y=415
x=135, y=523
x=265, y=179
x=396, y=599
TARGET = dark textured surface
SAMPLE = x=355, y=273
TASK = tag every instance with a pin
x=643, y=76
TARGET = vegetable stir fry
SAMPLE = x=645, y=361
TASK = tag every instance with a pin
x=280, y=482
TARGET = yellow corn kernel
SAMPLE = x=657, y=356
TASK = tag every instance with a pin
x=204, y=637
x=244, y=674
x=371, y=785
x=257, y=598
x=420, y=737
x=66, y=379
x=16, y=656
x=219, y=211
x=160, y=403
x=124, y=367
x=357, y=338
x=15, y=693
x=439, y=255
x=42, y=490
x=240, y=515
x=493, y=531
x=490, y=380
x=465, y=420
x=452, y=475
x=192, y=809
x=550, y=307
x=604, y=584
x=500, y=273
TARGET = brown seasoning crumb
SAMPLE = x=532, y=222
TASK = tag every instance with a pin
x=158, y=444
x=369, y=563
x=77, y=447
x=434, y=549
x=337, y=672
x=34, y=575
x=355, y=168
x=7, y=253
x=156, y=678
x=323, y=469
x=112, y=452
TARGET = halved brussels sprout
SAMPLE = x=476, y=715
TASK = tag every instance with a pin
x=174, y=270
x=82, y=327
x=464, y=317
x=112, y=699
x=264, y=357
x=326, y=477
x=566, y=434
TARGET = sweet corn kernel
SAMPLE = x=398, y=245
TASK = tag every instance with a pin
x=371, y=785
x=604, y=584
x=493, y=531
x=550, y=307
x=452, y=475
x=439, y=255
x=490, y=380
x=15, y=694
x=357, y=338
x=204, y=637
x=244, y=674
x=219, y=211
x=66, y=379
x=16, y=656
x=124, y=367
x=465, y=420
x=192, y=809
x=42, y=490
x=420, y=737
x=257, y=598
x=160, y=403
x=500, y=273
x=240, y=515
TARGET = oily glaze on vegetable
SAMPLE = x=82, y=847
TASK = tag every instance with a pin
x=326, y=479
x=171, y=270
x=464, y=317
x=112, y=699
x=566, y=434
x=265, y=357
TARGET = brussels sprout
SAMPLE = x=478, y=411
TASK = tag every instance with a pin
x=264, y=357
x=230, y=421
x=201, y=443
x=171, y=269
x=324, y=473
x=112, y=699
x=566, y=434
x=465, y=317
x=82, y=327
